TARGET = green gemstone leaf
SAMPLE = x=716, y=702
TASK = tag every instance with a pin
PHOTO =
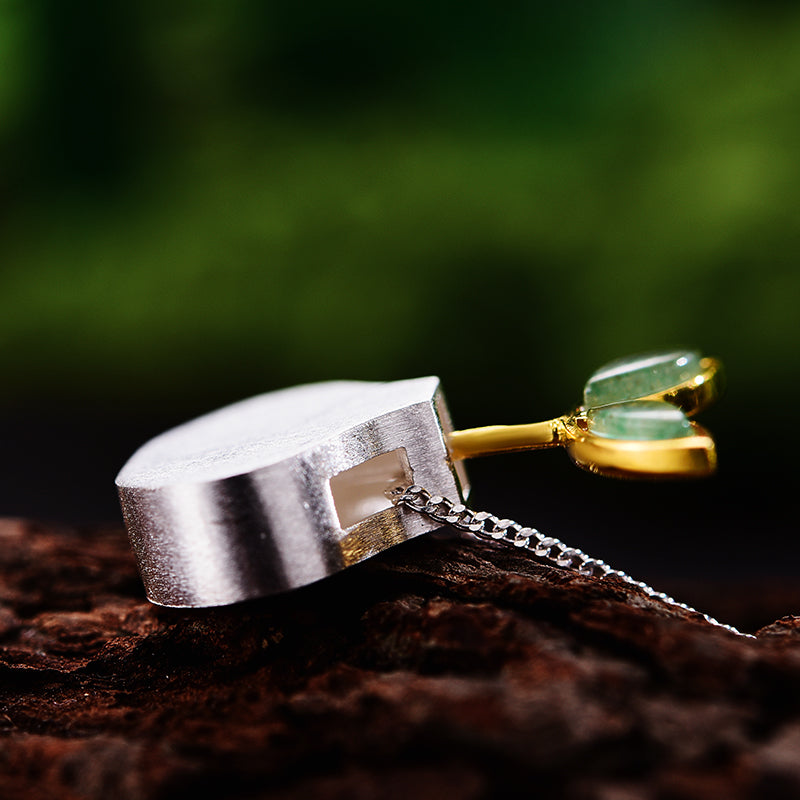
x=640, y=376
x=639, y=420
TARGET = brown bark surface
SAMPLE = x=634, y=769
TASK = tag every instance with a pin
x=442, y=669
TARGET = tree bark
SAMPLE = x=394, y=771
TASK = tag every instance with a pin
x=443, y=668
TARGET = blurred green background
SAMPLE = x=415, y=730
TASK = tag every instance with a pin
x=205, y=200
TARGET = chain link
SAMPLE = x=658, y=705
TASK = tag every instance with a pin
x=483, y=525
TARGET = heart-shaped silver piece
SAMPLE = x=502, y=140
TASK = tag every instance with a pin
x=284, y=489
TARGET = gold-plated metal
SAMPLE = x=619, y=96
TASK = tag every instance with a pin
x=689, y=456
x=506, y=438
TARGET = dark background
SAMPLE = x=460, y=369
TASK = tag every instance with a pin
x=201, y=200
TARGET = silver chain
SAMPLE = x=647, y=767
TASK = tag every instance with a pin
x=483, y=525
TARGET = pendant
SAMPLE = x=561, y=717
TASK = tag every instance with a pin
x=284, y=489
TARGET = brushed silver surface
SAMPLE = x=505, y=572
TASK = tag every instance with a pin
x=237, y=504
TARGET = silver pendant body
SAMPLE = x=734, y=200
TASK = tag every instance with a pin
x=284, y=489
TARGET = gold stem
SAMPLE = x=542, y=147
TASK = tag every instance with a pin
x=505, y=438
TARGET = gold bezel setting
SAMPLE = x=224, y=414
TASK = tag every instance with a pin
x=690, y=456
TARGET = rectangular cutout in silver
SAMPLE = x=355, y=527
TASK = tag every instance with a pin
x=361, y=491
